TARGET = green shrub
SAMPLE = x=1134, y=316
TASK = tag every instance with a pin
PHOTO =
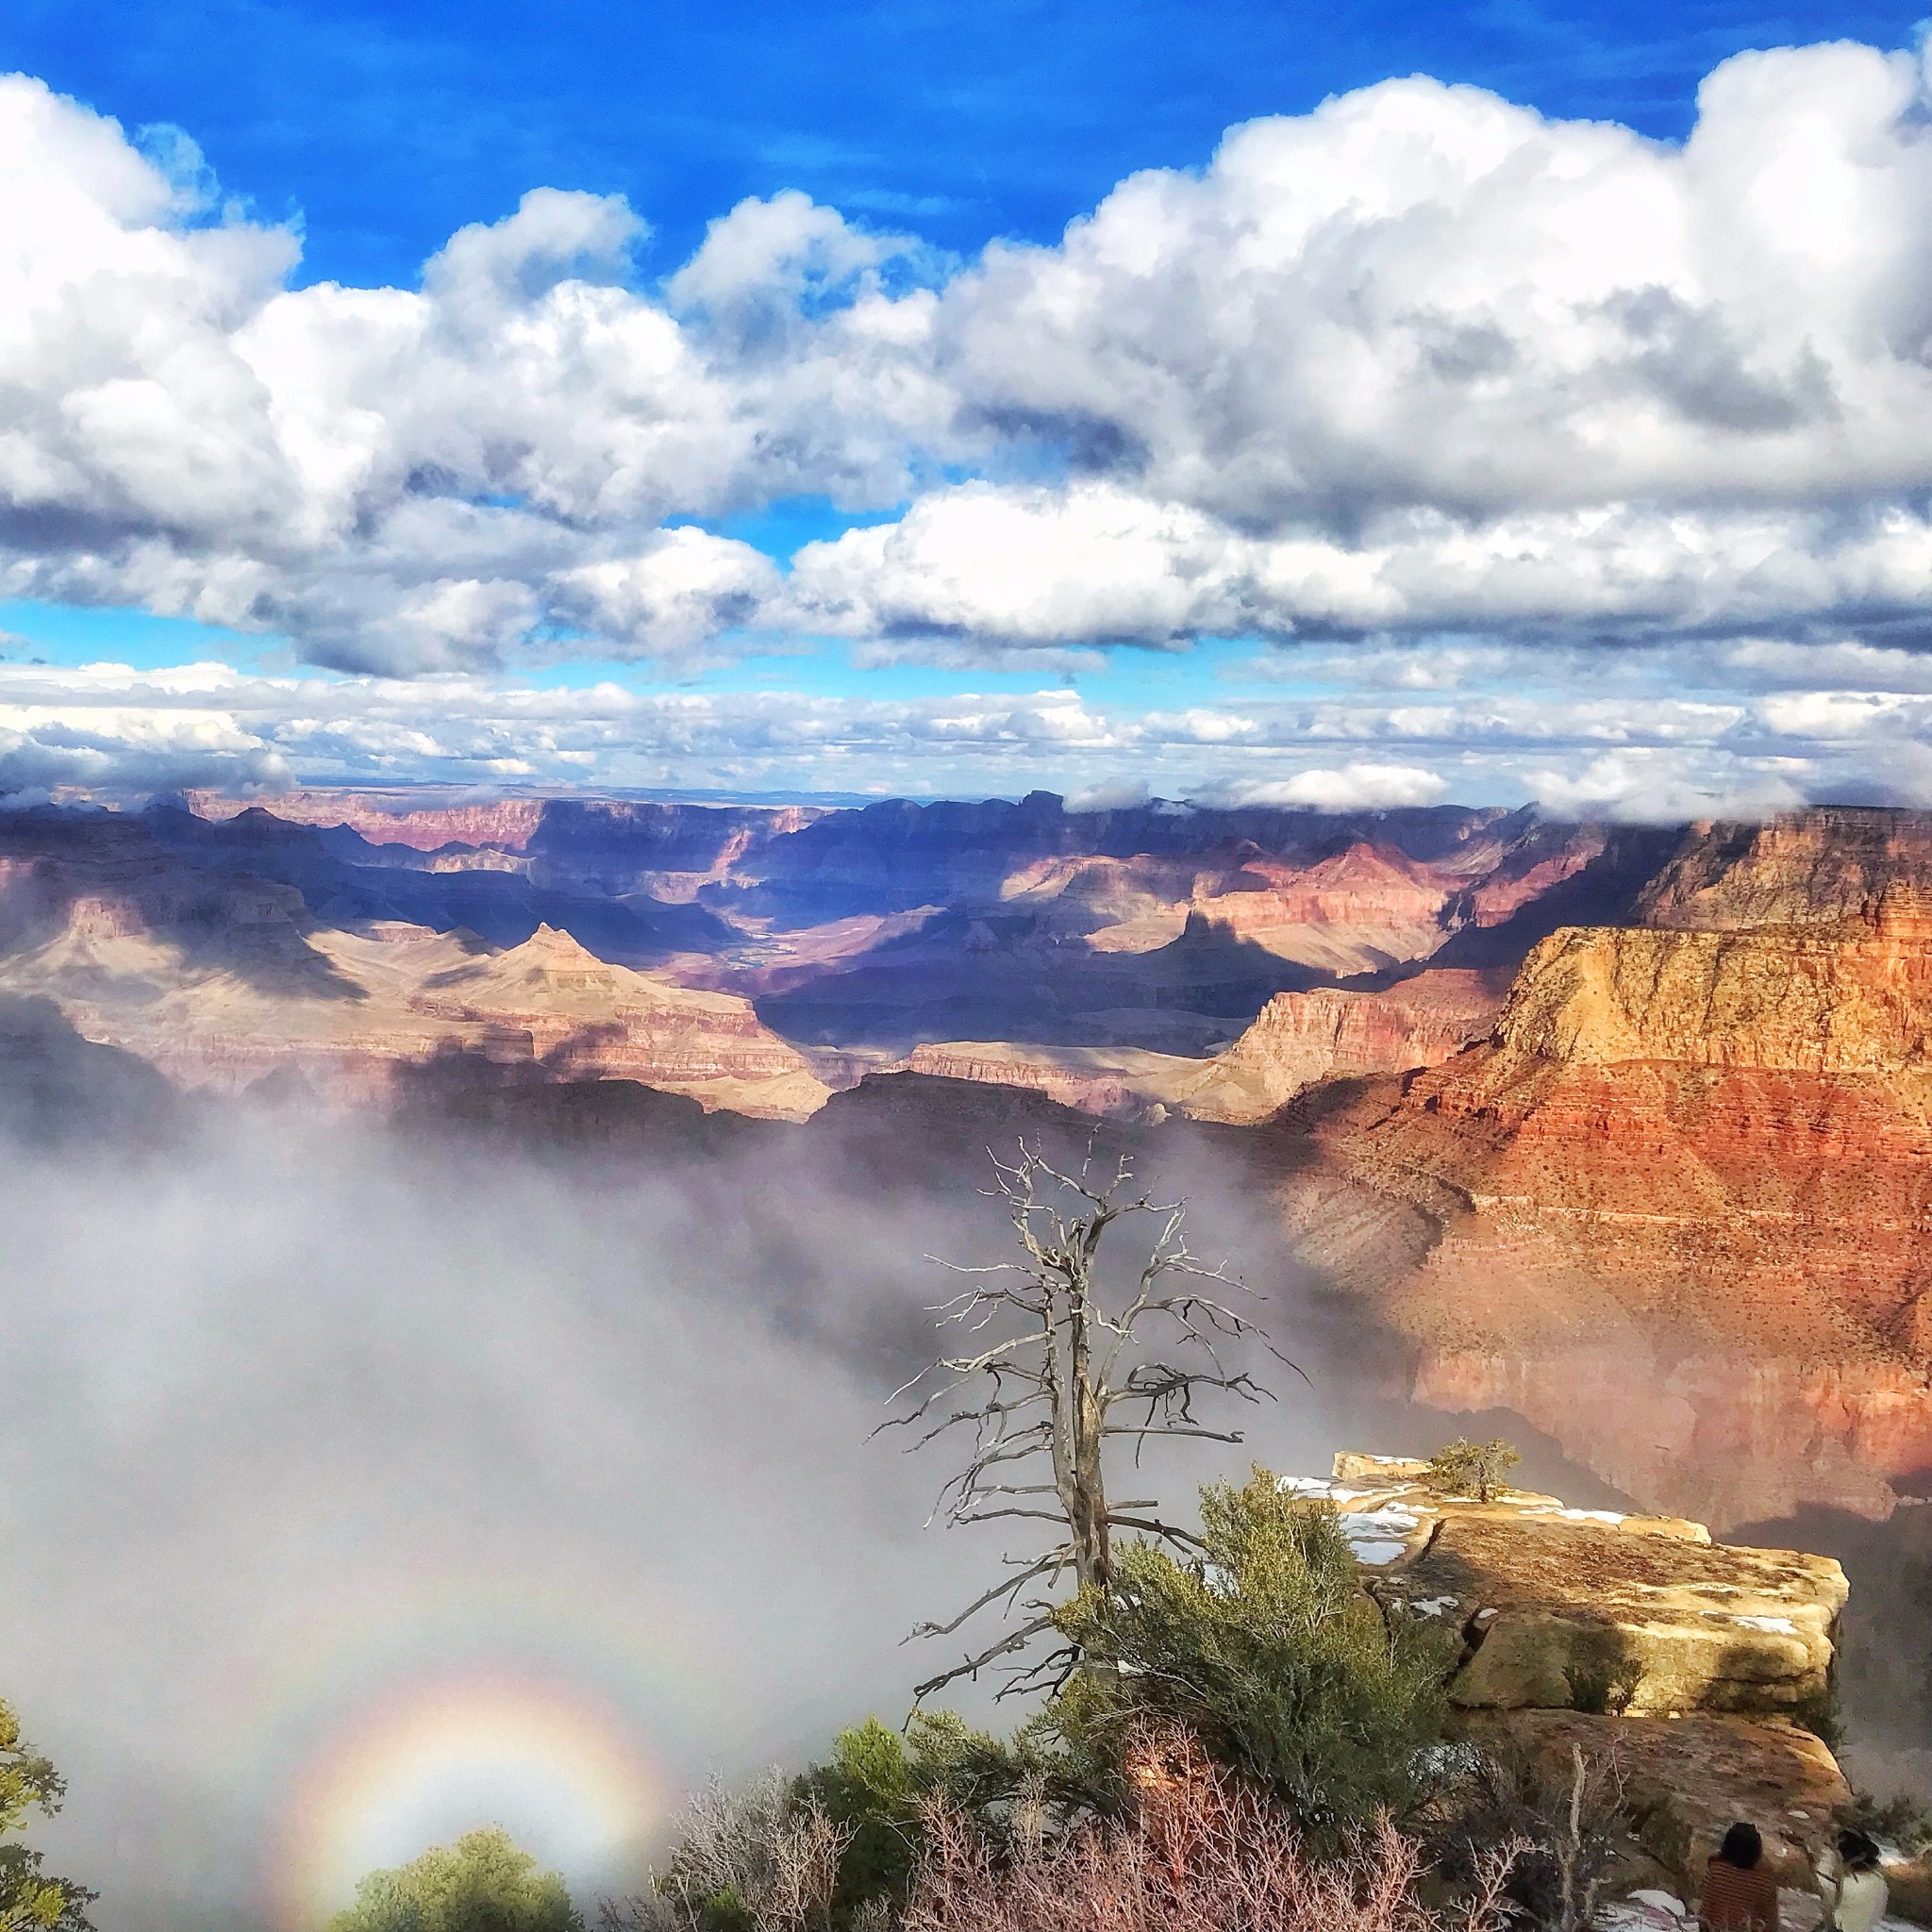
x=482, y=1883
x=1470, y=1469
x=1271, y=1652
x=30, y=1899
x=872, y=1786
x=878, y=1784
x=1604, y=1681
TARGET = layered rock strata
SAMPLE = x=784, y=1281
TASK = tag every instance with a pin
x=1809, y=868
x=1301, y=1037
x=352, y=1012
x=393, y=818
x=1674, y=1211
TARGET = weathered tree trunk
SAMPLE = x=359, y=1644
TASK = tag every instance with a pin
x=1044, y=1385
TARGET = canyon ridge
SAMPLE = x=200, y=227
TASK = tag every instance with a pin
x=1625, y=1129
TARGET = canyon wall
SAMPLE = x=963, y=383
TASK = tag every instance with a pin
x=393, y=818
x=219, y=978
x=1674, y=1210
x=1159, y=928
x=1302, y=1038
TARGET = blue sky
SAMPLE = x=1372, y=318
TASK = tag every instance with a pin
x=1414, y=447
x=386, y=128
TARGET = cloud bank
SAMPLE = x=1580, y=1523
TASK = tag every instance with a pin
x=1419, y=359
x=1530, y=457
x=1652, y=733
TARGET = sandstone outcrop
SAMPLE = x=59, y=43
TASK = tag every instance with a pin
x=1359, y=909
x=1301, y=1037
x=1673, y=1212
x=1558, y=1608
x=350, y=1009
x=1809, y=868
x=1683, y=1660
x=1851, y=998
x=1363, y=908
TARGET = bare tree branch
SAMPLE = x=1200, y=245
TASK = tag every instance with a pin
x=1064, y=1347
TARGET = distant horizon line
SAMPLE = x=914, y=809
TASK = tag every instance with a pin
x=429, y=794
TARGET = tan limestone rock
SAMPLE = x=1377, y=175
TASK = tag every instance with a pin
x=1635, y=1639
x=1300, y=1038
x=1564, y=1609
x=1855, y=998
x=1583, y=1615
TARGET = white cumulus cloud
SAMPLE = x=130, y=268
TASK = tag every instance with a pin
x=1351, y=788
x=1418, y=361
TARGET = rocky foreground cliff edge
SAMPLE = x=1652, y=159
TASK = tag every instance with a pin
x=1697, y=1668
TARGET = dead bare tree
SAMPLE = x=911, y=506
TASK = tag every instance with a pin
x=1052, y=1369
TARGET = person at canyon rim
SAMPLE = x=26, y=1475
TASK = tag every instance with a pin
x=1739, y=1893
x=1851, y=1885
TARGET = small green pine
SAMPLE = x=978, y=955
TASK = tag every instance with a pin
x=1472, y=1468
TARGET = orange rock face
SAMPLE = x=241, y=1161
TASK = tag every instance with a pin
x=1674, y=1211
x=1385, y=901
x=1355, y=910
x=1301, y=1037
x=1810, y=868
x=391, y=820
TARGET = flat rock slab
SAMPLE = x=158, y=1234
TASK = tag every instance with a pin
x=1586, y=1610
x=1567, y=1615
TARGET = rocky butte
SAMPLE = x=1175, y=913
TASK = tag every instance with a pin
x=1674, y=1208
x=1695, y=1667
x=220, y=980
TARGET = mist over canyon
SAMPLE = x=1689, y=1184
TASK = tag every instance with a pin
x=318, y=1436
x=457, y=1251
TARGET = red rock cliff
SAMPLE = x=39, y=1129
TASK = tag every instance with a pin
x=1674, y=1211
x=1301, y=1037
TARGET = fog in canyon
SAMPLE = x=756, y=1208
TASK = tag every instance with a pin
x=364, y=1483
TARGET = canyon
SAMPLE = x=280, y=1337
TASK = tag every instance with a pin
x=1625, y=1129
x=1674, y=1208
x=221, y=979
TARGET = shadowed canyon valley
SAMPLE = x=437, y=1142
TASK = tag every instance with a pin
x=1624, y=1129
